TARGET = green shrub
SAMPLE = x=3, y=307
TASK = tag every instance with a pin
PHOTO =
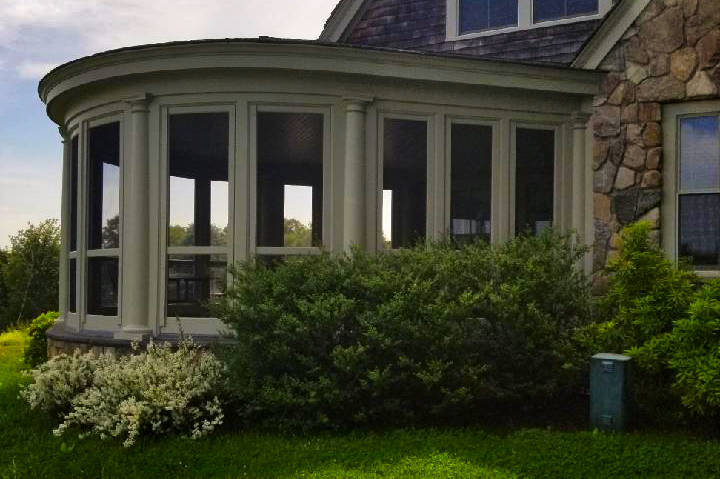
x=413, y=335
x=691, y=350
x=156, y=391
x=647, y=295
x=36, y=351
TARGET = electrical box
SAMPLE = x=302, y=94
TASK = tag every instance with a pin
x=610, y=391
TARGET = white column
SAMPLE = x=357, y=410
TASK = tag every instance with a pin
x=64, y=225
x=579, y=124
x=135, y=226
x=355, y=175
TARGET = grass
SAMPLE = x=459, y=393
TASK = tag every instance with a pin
x=28, y=450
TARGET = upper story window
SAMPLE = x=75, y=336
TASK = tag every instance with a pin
x=479, y=15
x=544, y=10
x=473, y=18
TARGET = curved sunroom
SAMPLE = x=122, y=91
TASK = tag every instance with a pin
x=183, y=158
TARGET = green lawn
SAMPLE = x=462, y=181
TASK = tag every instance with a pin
x=28, y=450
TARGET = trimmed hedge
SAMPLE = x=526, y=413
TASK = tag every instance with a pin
x=431, y=333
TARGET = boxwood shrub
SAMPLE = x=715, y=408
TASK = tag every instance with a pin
x=445, y=332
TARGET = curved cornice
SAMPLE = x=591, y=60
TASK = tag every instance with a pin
x=310, y=56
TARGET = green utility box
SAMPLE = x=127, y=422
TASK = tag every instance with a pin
x=610, y=391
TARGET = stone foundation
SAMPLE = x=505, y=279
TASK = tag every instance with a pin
x=62, y=341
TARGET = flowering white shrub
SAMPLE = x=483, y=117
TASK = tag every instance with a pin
x=158, y=390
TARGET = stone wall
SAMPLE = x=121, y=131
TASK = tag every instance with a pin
x=670, y=54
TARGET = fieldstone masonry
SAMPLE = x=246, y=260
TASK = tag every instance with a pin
x=671, y=53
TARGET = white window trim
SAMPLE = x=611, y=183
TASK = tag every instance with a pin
x=166, y=324
x=672, y=114
x=525, y=20
x=327, y=203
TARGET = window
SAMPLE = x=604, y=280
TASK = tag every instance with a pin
x=198, y=163
x=534, y=180
x=290, y=151
x=103, y=219
x=699, y=191
x=544, y=10
x=477, y=18
x=478, y=15
x=404, y=181
x=471, y=181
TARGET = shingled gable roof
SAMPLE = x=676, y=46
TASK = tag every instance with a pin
x=396, y=24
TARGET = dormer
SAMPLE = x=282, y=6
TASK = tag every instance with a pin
x=546, y=31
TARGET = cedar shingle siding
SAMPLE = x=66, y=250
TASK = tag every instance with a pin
x=420, y=25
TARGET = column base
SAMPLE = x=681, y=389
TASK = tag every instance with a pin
x=133, y=334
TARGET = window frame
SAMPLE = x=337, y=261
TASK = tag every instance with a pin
x=254, y=108
x=496, y=176
x=559, y=167
x=98, y=321
x=525, y=20
x=192, y=325
x=673, y=114
x=430, y=173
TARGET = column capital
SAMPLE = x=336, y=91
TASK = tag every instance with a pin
x=580, y=120
x=63, y=134
x=357, y=104
x=140, y=103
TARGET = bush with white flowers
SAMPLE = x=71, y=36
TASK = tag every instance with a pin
x=158, y=390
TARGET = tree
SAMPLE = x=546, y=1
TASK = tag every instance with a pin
x=3, y=288
x=297, y=234
x=30, y=275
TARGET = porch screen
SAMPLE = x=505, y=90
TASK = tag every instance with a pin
x=198, y=149
x=404, y=182
x=471, y=182
x=534, y=180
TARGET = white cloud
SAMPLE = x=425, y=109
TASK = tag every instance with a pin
x=34, y=70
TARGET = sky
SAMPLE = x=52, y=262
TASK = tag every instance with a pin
x=37, y=35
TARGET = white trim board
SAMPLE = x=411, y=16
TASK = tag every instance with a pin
x=609, y=33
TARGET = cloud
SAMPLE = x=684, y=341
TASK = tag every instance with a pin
x=34, y=70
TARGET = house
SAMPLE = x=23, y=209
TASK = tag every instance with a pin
x=407, y=119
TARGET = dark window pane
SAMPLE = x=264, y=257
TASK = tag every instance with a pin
x=405, y=181
x=700, y=230
x=535, y=165
x=582, y=7
x=503, y=13
x=198, y=158
x=74, y=158
x=554, y=9
x=471, y=171
x=289, y=179
x=104, y=186
x=699, y=153
x=103, y=286
x=195, y=281
x=477, y=15
x=72, y=286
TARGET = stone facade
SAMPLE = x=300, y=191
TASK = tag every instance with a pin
x=670, y=54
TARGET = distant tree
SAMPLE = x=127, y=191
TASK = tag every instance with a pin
x=297, y=233
x=30, y=274
x=111, y=232
x=3, y=288
x=179, y=235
